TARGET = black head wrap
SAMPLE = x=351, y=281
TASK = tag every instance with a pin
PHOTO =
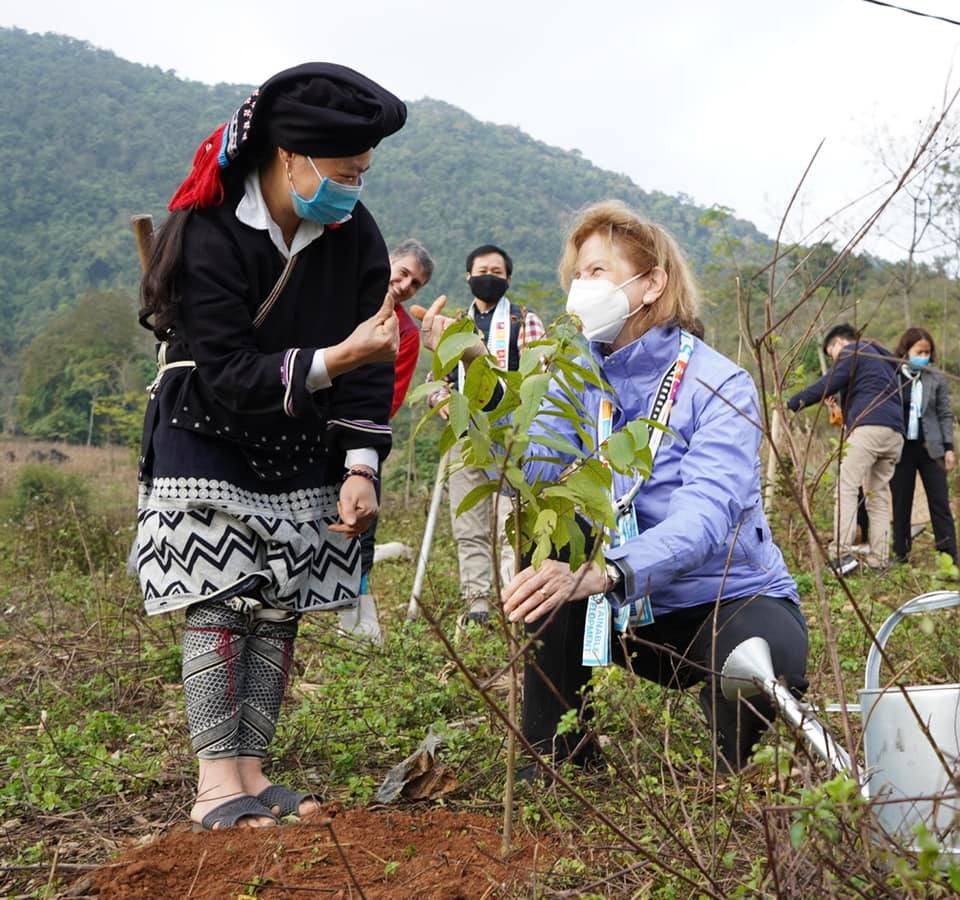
x=317, y=109
x=327, y=110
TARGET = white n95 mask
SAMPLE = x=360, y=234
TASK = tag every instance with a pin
x=601, y=306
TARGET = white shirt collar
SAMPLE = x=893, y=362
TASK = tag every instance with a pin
x=252, y=210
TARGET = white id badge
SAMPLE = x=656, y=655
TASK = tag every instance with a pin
x=596, y=632
x=641, y=612
x=623, y=617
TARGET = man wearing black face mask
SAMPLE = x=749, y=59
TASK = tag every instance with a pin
x=506, y=329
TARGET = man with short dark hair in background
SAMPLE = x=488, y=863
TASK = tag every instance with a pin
x=506, y=329
x=865, y=375
x=411, y=267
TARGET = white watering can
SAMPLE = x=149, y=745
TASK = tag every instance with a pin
x=914, y=777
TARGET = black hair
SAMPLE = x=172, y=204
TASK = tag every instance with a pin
x=483, y=250
x=160, y=285
x=843, y=330
x=913, y=336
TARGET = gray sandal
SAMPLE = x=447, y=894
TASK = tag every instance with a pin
x=226, y=815
x=286, y=799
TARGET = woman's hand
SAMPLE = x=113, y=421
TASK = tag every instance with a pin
x=533, y=593
x=949, y=461
x=373, y=341
x=357, y=505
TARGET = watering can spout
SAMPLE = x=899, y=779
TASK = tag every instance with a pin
x=748, y=671
x=748, y=667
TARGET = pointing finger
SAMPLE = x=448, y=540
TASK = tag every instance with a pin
x=418, y=312
x=437, y=305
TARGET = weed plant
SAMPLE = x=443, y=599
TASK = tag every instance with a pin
x=94, y=750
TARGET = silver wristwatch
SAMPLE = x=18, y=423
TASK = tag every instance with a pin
x=614, y=576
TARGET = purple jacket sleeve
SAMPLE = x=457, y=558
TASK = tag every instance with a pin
x=717, y=474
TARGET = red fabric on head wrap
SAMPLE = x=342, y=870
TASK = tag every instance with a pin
x=202, y=187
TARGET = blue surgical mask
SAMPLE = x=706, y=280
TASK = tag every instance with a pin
x=333, y=202
x=918, y=362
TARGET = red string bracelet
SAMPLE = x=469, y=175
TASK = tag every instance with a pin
x=361, y=473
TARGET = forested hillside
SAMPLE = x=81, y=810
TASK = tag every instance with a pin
x=88, y=139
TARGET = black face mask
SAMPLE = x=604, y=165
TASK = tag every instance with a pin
x=489, y=288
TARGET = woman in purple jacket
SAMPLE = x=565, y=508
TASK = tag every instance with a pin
x=694, y=570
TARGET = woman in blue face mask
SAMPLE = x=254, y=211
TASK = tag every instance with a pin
x=928, y=449
x=268, y=417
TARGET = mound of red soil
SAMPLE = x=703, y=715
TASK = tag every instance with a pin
x=436, y=853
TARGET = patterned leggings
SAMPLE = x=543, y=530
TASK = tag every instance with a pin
x=235, y=668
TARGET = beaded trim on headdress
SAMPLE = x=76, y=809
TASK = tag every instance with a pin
x=237, y=130
x=202, y=187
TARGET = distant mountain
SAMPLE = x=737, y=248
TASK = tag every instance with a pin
x=87, y=139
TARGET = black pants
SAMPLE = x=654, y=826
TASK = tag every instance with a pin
x=368, y=543
x=676, y=650
x=916, y=459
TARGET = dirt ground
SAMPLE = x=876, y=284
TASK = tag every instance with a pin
x=429, y=853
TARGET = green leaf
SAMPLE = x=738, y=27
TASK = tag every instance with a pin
x=639, y=430
x=546, y=522
x=583, y=373
x=453, y=346
x=530, y=359
x=447, y=440
x=954, y=876
x=506, y=406
x=798, y=833
x=512, y=380
x=532, y=391
x=618, y=450
x=578, y=547
x=459, y=409
x=421, y=392
x=475, y=495
x=516, y=480
x=480, y=444
x=590, y=483
x=455, y=340
x=481, y=381
x=541, y=551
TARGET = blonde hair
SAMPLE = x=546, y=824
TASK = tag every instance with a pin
x=645, y=245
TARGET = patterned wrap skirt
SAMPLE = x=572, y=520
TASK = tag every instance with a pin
x=206, y=539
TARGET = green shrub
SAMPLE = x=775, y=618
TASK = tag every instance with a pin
x=46, y=490
x=54, y=523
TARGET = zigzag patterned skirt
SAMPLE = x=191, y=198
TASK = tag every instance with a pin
x=205, y=539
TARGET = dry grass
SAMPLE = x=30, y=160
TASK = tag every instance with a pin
x=110, y=471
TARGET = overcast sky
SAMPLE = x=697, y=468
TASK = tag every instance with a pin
x=722, y=100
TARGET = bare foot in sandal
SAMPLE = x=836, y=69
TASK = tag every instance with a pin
x=281, y=800
x=242, y=811
x=219, y=792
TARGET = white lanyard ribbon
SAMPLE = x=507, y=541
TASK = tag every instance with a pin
x=498, y=341
x=916, y=403
x=597, y=629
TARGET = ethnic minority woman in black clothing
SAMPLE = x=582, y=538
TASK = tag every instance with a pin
x=269, y=414
x=928, y=448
